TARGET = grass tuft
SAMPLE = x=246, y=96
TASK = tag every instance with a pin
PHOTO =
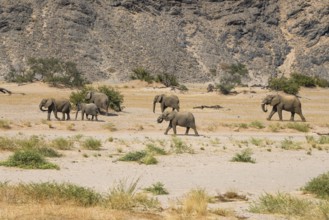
x=288, y=144
x=179, y=147
x=62, y=144
x=319, y=186
x=257, y=124
x=4, y=124
x=244, y=156
x=157, y=189
x=302, y=127
x=92, y=144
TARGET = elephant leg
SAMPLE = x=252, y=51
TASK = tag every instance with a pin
x=187, y=130
x=280, y=114
x=48, y=116
x=195, y=131
x=96, y=118
x=55, y=114
x=82, y=116
x=301, y=116
x=271, y=114
x=168, y=128
x=292, y=116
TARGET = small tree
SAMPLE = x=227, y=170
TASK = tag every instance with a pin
x=289, y=86
x=232, y=77
x=167, y=79
x=142, y=74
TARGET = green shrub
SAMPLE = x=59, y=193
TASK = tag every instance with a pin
x=303, y=80
x=151, y=148
x=257, y=124
x=244, y=156
x=92, y=144
x=79, y=96
x=289, y=144
x=61, y=144
x=283, y=84
x=133, y=156
x=281, y=203
x=148, y=159
x=115, y=97
x=302, y=127
x=319, y=186
x=167, y=79
x=157, y=189
x=141, y=74
x=321, y=82
x=57, y=193
x=233, y=74
x=324, y=139
x=28, y=159
x=182, y=88
x=50, y=70
x=179, y=147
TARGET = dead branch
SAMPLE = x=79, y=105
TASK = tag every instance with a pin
x=207, y=106
x=3, y=90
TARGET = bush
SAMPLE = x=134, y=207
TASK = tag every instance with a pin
x=50, y=70
x=142, y=74
x=179, y=147
x=232, y=77
x=319, y=186
x=289, y=86
x=28, y=159
x=92, y=144
x=244, y=156
x=303, y=80
x=321, y=82
x=133, y=156
x=157, y=189
x=167, y=79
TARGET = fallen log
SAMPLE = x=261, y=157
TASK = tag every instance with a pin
x=207, y=106
x=3, y=90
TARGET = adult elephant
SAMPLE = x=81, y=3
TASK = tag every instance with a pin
x=56, y=105
x=183, y=119
x=166, y=101
x=100, y=99
x=281, y=102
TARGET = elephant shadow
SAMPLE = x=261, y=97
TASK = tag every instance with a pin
x=185, y=135
x=108, y=114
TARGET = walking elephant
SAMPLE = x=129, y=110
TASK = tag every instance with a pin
x=166, y=101
x=183, y=119
x=281, y=102
x=98, y=98
x=56, y=105
x=88, y=109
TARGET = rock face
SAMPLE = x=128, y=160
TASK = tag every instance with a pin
x=192, y=39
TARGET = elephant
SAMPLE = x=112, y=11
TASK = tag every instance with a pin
x=281, y=102
x=166, y=101
x=56, y=105
x=98, y=98
x=183, y=119
x=88, y=109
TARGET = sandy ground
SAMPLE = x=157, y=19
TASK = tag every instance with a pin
x=275, y=170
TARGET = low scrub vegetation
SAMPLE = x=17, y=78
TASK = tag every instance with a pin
x=91, y=144
x=28, y=159
x=319, y=186
x=257, y=124
x=302, y=127
x=62, y=143
x=157, y=189
x=292, y=85
x=285, y=204
x=244, y=156
x=4, y=124
x=289, y=144
x=179, y=147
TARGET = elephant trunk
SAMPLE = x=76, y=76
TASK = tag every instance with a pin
x=160, y=119
x=264, y=107
x=41, y=108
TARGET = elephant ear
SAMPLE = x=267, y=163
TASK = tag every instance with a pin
x=88, y=96
x=49, y=103
x=170, y=115
x=275, y=100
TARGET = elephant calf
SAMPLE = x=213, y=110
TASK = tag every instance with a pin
x=88, y=109
x=183, y=119
x=56, y=105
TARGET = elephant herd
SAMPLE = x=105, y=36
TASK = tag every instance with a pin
x=97, y=101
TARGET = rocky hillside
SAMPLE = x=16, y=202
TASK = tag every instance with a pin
x=190, y=38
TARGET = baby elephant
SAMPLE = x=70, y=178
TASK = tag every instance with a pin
x=88, y=109
x=183, y=119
